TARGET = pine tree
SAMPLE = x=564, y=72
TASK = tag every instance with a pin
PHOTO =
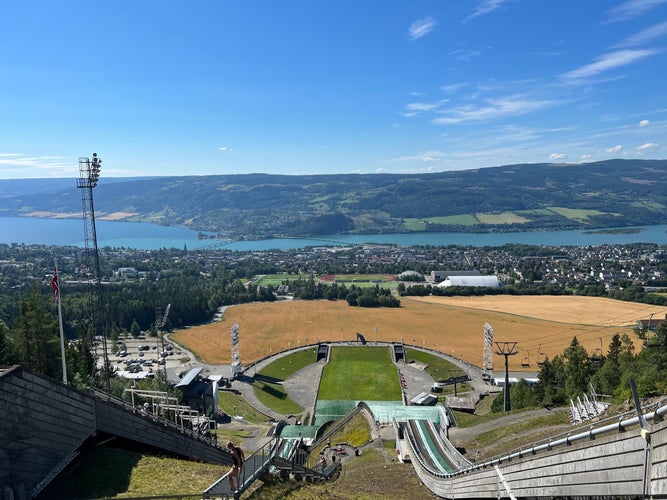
x=36, y=335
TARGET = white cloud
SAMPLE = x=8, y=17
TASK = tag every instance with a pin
x=585, y=157
x=645, y=36
x=557, y=156
x=426, y=157
x=452, y=88
x=493, y=109
x=17, y=166
x=614, y=149
x=632, y=8
x=424, y=106
x=465, y=55
x=19, y=160
x=608, y=62
x=485, y=7
x=648, y=146
x=644, y=123
x=421, y=28
x=224, y=148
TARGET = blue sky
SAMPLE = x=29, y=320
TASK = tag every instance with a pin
x=319, y=87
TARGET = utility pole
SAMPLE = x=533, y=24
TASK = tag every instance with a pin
x=507, y=349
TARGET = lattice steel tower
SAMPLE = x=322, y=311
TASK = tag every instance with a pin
x=89, y=174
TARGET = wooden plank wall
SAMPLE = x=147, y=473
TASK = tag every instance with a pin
x=42, y=422
x=658, y=477
x=610, y=466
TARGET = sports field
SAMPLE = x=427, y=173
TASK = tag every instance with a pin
x=358, y=373
x=450, y=325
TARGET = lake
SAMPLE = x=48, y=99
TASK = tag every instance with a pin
x=144, y=236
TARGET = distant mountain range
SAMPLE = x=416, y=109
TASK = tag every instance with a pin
x=614, y=193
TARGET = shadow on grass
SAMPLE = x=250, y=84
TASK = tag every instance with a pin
x=99, y=472
x=274, y=392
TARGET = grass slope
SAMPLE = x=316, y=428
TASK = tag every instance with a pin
x=355, y=373
x=107, y=472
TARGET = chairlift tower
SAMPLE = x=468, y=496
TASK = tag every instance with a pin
x=89, y=175
x=506, y=349
x=487, y=367
x=237, y=367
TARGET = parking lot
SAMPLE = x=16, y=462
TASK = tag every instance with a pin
x=143, y=356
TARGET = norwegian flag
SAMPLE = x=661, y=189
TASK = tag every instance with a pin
x=56, y=286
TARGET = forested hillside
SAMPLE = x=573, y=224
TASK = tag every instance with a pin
x=614, y=193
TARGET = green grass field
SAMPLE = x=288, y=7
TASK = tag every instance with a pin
x=456, y=220
x=235, y=405
x=285, y=366
x=360, y=373
x=575, y=214
x=438, y=367
x=274, y=395
x=277, y=279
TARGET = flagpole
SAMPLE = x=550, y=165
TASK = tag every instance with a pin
x=60, y=322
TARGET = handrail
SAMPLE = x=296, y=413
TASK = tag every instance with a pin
x=548, y=445
x=109, y=398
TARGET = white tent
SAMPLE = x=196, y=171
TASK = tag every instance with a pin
x=489, y=281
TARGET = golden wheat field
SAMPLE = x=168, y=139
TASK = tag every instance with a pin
x=452, y=325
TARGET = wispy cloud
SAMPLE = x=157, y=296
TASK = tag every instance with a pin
x=644, y=123
x=631, y=8
x=421, y=28
x=224, y=149
x=465, y=55
x=614, y=149
x=19, y=160
x=425, y=157
x=645, y=36
x=485, y=7
x=425, y=106
x=452, y=88
x=17, y=165
x=557, y=156
x=608, y=62
x=648, y=146
x=492, y=109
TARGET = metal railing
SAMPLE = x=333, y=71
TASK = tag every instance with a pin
x=604, y=427
x=156, y=418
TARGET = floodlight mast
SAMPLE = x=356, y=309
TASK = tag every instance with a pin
x=89, y=175
x=160, y=321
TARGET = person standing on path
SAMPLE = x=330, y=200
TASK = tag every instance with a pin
x=235, y=473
